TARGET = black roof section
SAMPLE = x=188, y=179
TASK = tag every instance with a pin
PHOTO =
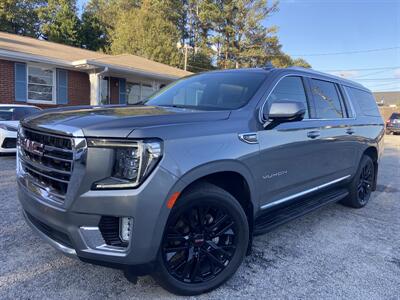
x=308, y=71
x=344, y=81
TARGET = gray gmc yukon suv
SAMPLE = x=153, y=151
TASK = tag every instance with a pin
x=176, y=186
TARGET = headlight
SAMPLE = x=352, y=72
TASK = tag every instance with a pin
x=133, y=161
x=8, y=128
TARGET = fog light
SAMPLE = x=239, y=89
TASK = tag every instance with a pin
x=125, y=229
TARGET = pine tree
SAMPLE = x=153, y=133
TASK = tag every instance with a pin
x=93, y=34
x=146, y=32
x=59, y=22
x=20, y=17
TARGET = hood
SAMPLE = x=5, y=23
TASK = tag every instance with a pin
x=115, y=121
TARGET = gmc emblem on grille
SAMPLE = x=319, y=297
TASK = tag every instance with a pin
x=32, y=146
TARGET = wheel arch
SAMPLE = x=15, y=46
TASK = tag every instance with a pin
x=232, y=176
x=372, y=152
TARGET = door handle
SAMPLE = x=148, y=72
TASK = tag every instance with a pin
x=313, y=134
x=350, y=130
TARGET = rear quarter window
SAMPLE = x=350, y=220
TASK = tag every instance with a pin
x=365, y=101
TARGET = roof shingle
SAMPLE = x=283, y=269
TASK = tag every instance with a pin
x=69, y=54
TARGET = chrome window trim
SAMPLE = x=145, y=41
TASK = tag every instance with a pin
x=303, y=193
x=260, y=117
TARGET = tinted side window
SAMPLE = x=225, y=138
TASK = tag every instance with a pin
x=289, y=88
x=347, y=105
x=326, y=99
x=365, y=101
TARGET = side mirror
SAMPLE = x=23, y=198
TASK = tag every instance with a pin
x=285, y=111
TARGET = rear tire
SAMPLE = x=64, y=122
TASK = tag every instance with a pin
x=204, y=242
x=361, y=186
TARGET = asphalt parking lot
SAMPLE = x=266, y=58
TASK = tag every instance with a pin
x=335, y=252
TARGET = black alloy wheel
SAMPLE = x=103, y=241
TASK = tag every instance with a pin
x=361, y=186
x=365, y=182
x=199, y=243
x=204, y=242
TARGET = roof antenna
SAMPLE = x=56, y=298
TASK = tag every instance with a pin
x=268, y=66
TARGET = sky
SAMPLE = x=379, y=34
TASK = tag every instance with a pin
x=319, y=29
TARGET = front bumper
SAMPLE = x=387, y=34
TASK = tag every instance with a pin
x=74, y=230
x=68, y=251
x=393, y=129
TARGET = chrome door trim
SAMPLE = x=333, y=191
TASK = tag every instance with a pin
x=303, y=193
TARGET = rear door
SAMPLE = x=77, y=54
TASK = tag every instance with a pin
x=338, y=149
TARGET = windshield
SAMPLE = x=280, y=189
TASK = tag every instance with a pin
x=12, y=113
x=210, y=91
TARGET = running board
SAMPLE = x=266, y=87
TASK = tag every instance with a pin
x=272, y=218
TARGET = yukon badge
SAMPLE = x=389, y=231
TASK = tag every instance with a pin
x=276, y=174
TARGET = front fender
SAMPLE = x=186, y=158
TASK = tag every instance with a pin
x=197, y=173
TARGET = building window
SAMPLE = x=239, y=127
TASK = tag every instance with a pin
x=41, y=84
x=105, y=91
x=138, y=91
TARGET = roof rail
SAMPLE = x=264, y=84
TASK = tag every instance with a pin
x=268, y=66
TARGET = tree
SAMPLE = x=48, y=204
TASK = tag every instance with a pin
x=60, y=22
x=198, y=30
x=219, y=33
x=146, y=32
x=93, y=32
x=99, y=19
x=232, y=32
x=300, y=62
x=20, y=17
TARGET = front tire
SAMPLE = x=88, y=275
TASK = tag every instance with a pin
x=361, y=186
x=204, y=242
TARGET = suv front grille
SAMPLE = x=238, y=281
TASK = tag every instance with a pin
x=48, y=160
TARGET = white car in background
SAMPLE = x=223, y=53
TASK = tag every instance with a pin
x=10, y=115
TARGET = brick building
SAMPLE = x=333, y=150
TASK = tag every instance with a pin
x=50, y=74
